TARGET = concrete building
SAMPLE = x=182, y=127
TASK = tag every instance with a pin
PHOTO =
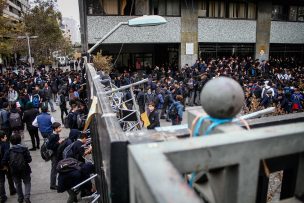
x=15, y=8
x=195, y=28
x=71, y=28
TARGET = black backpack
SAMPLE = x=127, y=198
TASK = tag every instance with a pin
x=68, y=165
x=61, y=148
x=17, y=162
x=173, y=112
x=46, y=154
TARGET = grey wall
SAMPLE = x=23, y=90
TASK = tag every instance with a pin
x=225, y=30
x=287, y=32
x=209, y=30
x=98, y=26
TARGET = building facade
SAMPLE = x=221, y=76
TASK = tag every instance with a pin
x=15, y=8
x=70, y=27
x=195, y=28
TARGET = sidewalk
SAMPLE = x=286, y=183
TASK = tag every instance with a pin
x=40, y=191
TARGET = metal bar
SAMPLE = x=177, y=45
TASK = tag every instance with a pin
x=135, y=107
x=83, y=182
x=106, y=36
x=96, y=198
x=256, y=114
x=126, y=86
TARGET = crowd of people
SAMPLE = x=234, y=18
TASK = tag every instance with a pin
x=276, y=82
x=25, y=99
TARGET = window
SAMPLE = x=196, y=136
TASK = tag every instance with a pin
x=216, y=9
x=301, y=13
x=251, y=11
x=202, y=9
x=165, y=7
x=292, y=13
x=109, y=7
x=237, y=10
x=173, y=8
x=277, y=12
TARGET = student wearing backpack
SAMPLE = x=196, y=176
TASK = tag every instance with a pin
x=53, y=144
x=28, y=117
x=62, y=104
x=73, y=136
x=72, y=116
x=77, y=150
x=18, y=158
x=175, y=111
x=15, y=121
x=4, y=169
x=35, y=99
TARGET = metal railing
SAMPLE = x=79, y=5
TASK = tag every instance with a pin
x=231, y=160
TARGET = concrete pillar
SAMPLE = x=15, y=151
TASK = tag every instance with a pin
x=83, y=25
x=263, y=26
x=189, y=32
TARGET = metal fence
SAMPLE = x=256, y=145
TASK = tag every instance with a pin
x=153, y=166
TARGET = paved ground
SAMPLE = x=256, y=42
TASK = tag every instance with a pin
x=41, y=174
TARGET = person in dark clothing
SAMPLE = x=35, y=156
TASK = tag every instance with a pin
x=5, y=125
x=73, y=136
x=72, y=116
x=28, y=117
x=53, y=144
x=78, y=150
x=141, y=100
x=4, y=169
x=16, y=124
x=21, y=173
x=153, y=116
x=62, y=104
x=70, y=179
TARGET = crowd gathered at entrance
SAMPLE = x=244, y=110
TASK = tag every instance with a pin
x=277, y=82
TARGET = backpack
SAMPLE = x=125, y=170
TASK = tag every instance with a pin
x=46, y=154
x=68, y=165
x=81, y=121
x=68, y=152
x=17, y=162
x=61, y=148
x=36, y=101
x=15, y=120
x=173, y=112
x=66, y=122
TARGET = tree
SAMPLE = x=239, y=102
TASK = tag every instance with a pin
x=102, y=63
x=42, y=21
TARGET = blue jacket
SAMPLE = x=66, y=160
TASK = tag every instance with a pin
x=180, y=109
x=45, y=123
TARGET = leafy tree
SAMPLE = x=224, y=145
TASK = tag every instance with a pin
x=43, y=21
x=102, y=63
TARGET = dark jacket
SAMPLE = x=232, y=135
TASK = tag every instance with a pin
x=4, y=149
x=70, y=179
x=20, y=113
x=29, y=116
x=27, y=158
x=78, y=151
x=53, y=142
x=72, y=117
x=154, y=120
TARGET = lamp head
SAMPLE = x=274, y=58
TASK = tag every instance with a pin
x=147, y=20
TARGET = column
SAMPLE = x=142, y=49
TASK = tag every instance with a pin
x=263, y=26
x=189, y=32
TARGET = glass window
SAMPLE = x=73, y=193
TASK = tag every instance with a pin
x=251, y=11
x=241, y=10
x=232, y=10
x=109, y=7
x=277, y=12
x=301, y=13
x=173, y=8
x=216, y=9
x=292, y=13
x=202, y=9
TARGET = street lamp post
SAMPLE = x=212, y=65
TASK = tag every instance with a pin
x=146, y=20
x=29, y=47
